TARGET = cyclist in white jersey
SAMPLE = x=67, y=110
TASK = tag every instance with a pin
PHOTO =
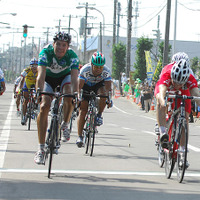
x=94, y=76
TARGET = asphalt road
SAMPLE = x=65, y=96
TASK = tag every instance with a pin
x=124, y=165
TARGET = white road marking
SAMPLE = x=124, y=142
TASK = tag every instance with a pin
x=3, y=170
x=4, y=137
x=122, y=110
x=193, y=148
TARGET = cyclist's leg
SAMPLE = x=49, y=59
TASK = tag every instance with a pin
x=42, y=122
x=161, y=119
x=81, y=122
x=81, y=117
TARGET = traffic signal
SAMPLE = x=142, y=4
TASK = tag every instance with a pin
x=25, y=31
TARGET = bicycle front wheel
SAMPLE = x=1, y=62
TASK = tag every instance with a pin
x=182, y=150
x=52, y=143
x=92, y=134
x=161, y=156
x=29, y=115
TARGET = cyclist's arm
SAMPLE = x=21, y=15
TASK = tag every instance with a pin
x=74, y=80
x=195, y=92
x=108, y=87
x=41, y=77
x=21, y=83
x=162, y=93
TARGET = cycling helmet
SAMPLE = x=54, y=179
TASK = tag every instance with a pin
x=98, y=59
x=62, y=36
x=34, y=61
x=180, y=55
x=180, y=72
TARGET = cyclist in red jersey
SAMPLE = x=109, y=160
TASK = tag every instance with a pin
x=174, y=77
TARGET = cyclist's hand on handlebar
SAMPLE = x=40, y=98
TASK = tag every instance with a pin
x=109, y=104
x=38, y=96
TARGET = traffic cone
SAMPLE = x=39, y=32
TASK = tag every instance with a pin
x=117, y=94
x=152, y=105
x=129, y=94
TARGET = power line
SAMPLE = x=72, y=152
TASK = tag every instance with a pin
x=188, y=8
x=152, y=17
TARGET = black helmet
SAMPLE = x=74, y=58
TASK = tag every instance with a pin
x=62, y=36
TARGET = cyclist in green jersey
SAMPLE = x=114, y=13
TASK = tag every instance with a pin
x=57, y=65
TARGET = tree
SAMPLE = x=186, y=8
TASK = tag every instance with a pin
x=195, y=65
x=119, y=56
x=160, y=60
x=143, y=44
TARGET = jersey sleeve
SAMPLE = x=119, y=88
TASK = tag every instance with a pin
x=106, y=74
x=192, y=82
x=42, y=59
x=74, y=60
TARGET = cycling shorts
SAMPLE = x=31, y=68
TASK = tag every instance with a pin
x=51, y=83
x=87, y=89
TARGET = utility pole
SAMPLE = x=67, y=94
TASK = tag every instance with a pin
x=118, y=20
x=85, y=32
x=114, y=22
x=100, y=37
x=69, y=24
x=157, y=34
x=166, y=45
x=128, y=40
x=175, y=20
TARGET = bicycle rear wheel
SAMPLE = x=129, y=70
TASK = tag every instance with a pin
x=182, y=152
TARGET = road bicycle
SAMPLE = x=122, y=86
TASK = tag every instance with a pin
x=177, y=129
x=52, y=143
x=90, y=128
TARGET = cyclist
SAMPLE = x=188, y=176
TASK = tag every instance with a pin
x=16, y=95
x=58, y=65
x=2, y=83
x=28, y=81
x=94, y=76
x=175, y=76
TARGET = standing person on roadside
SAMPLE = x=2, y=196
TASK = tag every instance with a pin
x=2, y=83
x=57, y=65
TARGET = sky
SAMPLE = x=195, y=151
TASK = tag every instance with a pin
x=43, y=14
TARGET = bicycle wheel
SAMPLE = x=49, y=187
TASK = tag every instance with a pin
x=21, y=107
x=29, y=114
x=169, y=160
x=60, y=111
x=71, y=122
x=161, y=156
x=182, y=152
x=87, y=139
x=51, y=145
x=92, y=134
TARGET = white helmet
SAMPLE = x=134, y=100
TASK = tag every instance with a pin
x=180, y=72
x=180, y=55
